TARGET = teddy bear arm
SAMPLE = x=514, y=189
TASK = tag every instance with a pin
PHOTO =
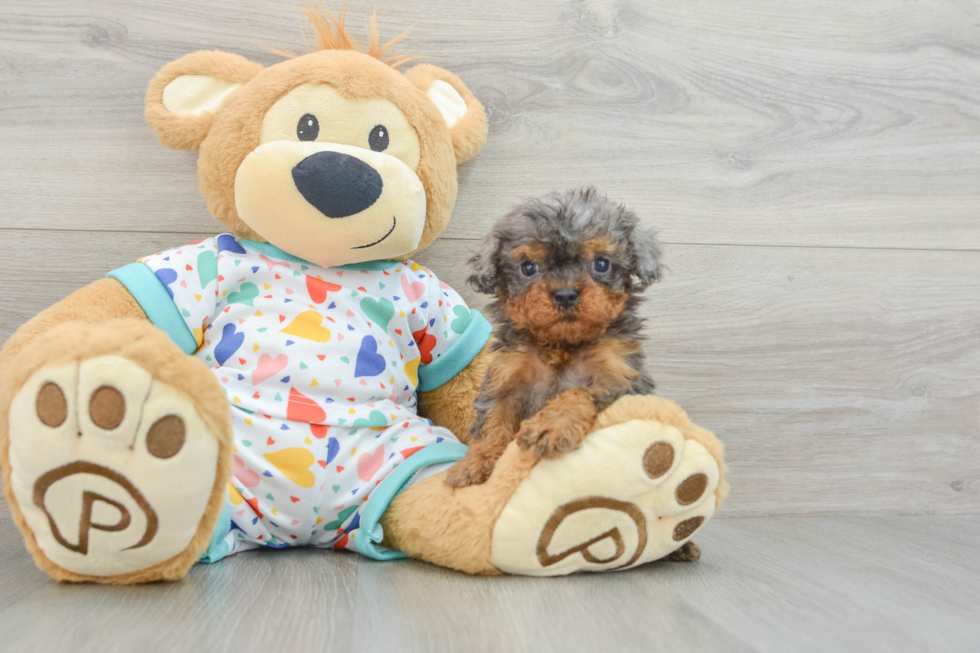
x=451, y=405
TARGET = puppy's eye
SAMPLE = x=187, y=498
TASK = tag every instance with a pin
x=378, y=138
x=308, y=128
x=528, y=269
x=600, y=265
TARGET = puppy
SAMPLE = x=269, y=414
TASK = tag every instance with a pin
x=564, y=269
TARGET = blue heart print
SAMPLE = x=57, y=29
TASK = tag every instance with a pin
x=369, y=361
x=333, y=448
x=230, y=342
x=228, y=243
x=167, y=277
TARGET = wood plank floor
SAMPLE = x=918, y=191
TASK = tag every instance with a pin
x=814, y=171
x=907, y=583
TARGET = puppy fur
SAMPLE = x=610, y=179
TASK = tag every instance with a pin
x=565, y=269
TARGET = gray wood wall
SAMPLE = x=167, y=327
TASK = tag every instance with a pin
x=813, y=169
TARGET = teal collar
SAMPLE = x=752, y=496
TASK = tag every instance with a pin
x=271, y=250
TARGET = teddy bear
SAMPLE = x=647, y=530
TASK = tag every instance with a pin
x=299, y=380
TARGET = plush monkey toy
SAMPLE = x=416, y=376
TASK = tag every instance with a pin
x=298, y=380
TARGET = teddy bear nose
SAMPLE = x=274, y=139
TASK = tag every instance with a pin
x=565, y=297
x=337, y=184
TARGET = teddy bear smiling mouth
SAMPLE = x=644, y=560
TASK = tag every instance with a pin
x=394, y=222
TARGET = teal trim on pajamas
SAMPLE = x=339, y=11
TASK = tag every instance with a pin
x=460, y=354
x=371, y=266
x=369, y=535
x=271, y=250
x=152, y=296
x=218, y=548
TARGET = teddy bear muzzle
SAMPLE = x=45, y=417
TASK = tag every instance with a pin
x=331, y=203
x=337, y=184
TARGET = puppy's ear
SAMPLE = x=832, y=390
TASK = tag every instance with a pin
x=646, y=264
x=463, y=113
x=183, y=96
x=484, y=264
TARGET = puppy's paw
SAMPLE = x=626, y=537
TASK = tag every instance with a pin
x=689, y=552
x=470, y=471
x=550, y=435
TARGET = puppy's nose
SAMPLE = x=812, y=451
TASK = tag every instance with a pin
x=565, y=297
x=338, y=185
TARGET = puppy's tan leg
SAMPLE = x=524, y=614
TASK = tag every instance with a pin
x=560, y=426
x=497, y=432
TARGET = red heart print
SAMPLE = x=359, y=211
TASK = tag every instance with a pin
x=426, y=342
x=319, y=431
x=318, y=289
x=303, y=409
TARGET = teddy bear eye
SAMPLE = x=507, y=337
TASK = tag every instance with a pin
x=378, y=138
x=528, y=268
x=308, y=128
x=601, y=265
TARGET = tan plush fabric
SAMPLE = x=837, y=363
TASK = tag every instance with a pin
x=470, y=132
x=65, y=341
x=667, y=412
x=451, y=404
x=598, y=508
x=227, y=136
x=453, y=528
x=187, y=131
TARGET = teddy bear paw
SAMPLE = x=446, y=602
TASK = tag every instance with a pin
x=632, y=493
x=111, y=469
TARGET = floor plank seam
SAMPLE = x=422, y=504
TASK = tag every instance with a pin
x=475, y=240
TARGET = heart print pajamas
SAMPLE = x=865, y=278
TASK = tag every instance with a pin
x=321, y=367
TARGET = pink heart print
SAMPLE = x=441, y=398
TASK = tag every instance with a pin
x=268, y=367
x=244, y=476
x=412, y=289
x=369, y=464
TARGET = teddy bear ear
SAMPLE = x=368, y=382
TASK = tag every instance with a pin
x=460, y=109
x=184, y=94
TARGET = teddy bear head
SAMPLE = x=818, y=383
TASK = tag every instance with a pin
x=334, y=156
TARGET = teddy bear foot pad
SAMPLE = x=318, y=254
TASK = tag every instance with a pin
x=634, y=492
x=112, y=470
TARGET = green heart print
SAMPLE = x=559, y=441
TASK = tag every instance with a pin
x=380, y=311
x=463, y=318
x=375, y=419
x=207, y=268
x=245, y=295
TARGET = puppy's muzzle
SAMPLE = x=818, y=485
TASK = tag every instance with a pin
x=337, y=184
x=565, y=297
